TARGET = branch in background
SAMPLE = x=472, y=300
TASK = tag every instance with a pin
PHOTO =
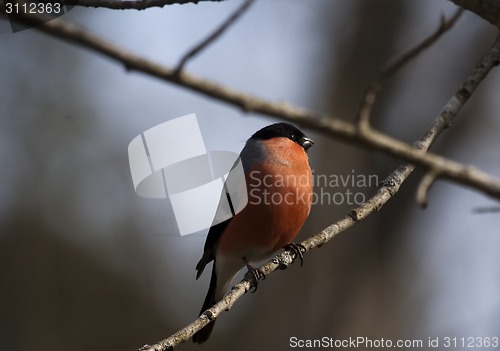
x=131, y=4
x=463, y=93
x=216, y=34
x=325, y=124
x=443, y=121
x=368, y=99
x=423, y=189
x=447, y=114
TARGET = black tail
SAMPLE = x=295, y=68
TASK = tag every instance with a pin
x=203, y=334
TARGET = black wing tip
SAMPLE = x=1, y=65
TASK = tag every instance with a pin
x=202, y=263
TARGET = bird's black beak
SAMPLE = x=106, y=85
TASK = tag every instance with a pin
x=306, y=143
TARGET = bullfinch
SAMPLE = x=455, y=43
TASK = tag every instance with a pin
x=279, y=188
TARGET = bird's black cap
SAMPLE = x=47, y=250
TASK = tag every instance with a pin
x=284, y=130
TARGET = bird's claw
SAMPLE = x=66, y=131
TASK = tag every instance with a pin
x=257, y=275
x=298, y=251
x=254, y=275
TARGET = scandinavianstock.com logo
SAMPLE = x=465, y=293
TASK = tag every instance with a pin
x=171, y=160
x=205, y=188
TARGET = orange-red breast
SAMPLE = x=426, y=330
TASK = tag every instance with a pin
x=279, y=189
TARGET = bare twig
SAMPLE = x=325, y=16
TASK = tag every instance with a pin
x=465, y=175
x=368, y=99
x=216, y=34
x=423, y=189
x=131, y=4
x=449, y=112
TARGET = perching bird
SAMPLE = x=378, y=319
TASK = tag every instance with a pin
x=279, y=187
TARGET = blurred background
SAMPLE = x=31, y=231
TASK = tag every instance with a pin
x=86, y=264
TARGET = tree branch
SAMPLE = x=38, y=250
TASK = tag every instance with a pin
x=216, y=34
x=368, y=99
x=423, y=189
x=332, y=127
x=131, y=4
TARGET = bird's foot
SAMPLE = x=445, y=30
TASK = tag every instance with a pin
x=298, y=251
x=254, y=275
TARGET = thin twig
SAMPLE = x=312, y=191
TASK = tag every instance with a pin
x=216, y=34
x=368, y=100
x=423, y=189
x=328, y=125
x=450, y=111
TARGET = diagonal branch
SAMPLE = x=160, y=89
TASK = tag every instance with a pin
x=216, y=34
x=332, y=127
x=368, y=100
